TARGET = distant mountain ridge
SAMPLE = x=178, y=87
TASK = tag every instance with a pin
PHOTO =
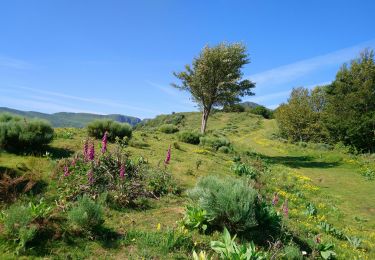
x=68, y=119
x=249, y=104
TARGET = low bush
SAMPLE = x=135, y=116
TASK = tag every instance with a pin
x=97, y=128
x=87, y=214
x=136, y=143
x=225, y=149
x=195, y=218
x=189, y=137
x=214, y=142
x=18, y=225
x=168, y=129
x=20, y=134
x=228, y=202
x=292, y=252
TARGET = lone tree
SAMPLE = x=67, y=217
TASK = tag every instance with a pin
x=214, y=78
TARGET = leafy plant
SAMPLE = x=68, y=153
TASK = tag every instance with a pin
x=326, y=250
x=311, y=210
x=292, y=252
x=195, y=218
x=201, y=256
x=242, y=169
x=368, y=173
x=329, y=229
x=355, y=242
x=228, y=249
x=40, y=209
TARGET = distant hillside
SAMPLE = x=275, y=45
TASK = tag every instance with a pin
x=65, y=119
x=248, y=104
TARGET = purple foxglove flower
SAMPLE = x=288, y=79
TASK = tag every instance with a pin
x=104, y=142
x=285, y=208
x=92, y=152
x=122, y=171
x=90, y=177
x=86, y=150
x=74, y=162
x=168, y=157
x=66, y=171
x=275, y=199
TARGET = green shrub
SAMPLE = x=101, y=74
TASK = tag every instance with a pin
x=224, y=149
x=86, y=214
x=262, y=111
x=23, y=134
x=160, y=183
x=18, y=225
x=168, y=129
x=292, y=252
x=138, y=143
x=189, y=137
x=97, y=128
x=213, y=142
x=228, y=202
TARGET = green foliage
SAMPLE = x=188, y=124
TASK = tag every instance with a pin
x=311, y=209
x=189, y=137
x=330, y=229
x=213, y=142
x=228, y=249
x=214, y=78
x=161, y=183
x=354, y=241
x=234, y=108
x=350, y=108
x=326, y=251
x=292, y=252
x=19, y=226
x=97, y=128
x=224, y=149
x=40, y=209
x=368, y=173
x=168, y=128
x=136, y=143
x=262, y=111
x=300, y=119
x=228, y=202
x=195, y=218
x=18, y=134
x=243, y=169
x=173, y=119
x=86, y=214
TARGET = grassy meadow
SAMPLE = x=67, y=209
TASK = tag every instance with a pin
x=328, y=198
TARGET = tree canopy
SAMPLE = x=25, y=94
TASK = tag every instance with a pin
x=214, y=78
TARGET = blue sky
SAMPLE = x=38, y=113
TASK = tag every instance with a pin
x=118, y=56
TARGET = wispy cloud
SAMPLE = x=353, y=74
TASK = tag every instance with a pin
x=12, y=63
x=104, y=102
x=293, y=71
x=166, y=89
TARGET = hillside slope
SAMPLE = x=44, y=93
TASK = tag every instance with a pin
x=67, y=119
x=302, y=174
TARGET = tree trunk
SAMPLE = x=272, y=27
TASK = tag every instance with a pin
x=205, y=115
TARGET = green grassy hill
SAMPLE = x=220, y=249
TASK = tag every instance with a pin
x=304, y=174
x=66, y=119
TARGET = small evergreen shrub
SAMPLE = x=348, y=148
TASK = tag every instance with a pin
x=224, y=149
x=86, y=214
x=168, y=129
x=18, y=133
x=19, y=226
x=97, y=128
x=189, y=137
x=214, y=142
x=228, y=202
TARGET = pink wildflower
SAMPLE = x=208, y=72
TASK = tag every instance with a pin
x=74, y=162
x=285, y=208
x=275, y=199
x=66, y=171
x=104, y=142
x=122, y=171
x=92, y=152
x=168, y=157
